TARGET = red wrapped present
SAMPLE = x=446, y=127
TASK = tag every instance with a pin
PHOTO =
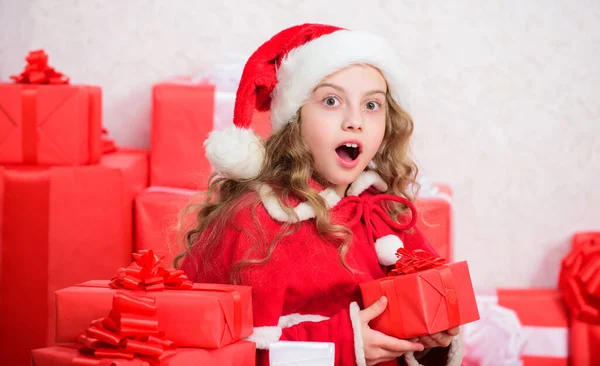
x=425, y=296
x=156, y=219
x=434, y=205
x=579, y=283
x=241, y=353
x=546, y=325
x=45, y=121
x=183, y=114
x=191, y=315
x=60, y=226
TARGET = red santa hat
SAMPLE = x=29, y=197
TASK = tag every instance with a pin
x=280, y=76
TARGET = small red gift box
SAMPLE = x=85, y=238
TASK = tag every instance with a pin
x=183, y=115
x=241, y=353
x=156, y=219
x=545, y=321
x=44, y=124
x=191, y=315
x=424, y=301
x=60, y=226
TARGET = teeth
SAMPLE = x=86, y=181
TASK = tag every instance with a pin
x=352, y=145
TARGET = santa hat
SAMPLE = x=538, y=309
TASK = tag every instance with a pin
x=280, y=76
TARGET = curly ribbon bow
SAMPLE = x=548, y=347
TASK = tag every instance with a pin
x=37, y=71
x=130, y=331
x=145, y=273
x=415, y=261
x=370, y=210
x=579, y=280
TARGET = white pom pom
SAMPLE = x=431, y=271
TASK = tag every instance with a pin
x=236, y=153
x=386, y=248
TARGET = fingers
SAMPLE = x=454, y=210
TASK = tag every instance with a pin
x=441, y=339
x=453, y=331
x=374, y=310
x=394, y=344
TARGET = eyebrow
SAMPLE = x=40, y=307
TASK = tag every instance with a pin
x=337, y=87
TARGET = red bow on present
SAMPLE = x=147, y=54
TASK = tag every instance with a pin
x=37, y=71
x=579, y=280
x=145, y=273
x=416, y=261
x=129, y=331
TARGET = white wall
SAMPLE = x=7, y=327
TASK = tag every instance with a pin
x=505, y=95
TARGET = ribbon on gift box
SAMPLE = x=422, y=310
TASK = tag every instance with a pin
x=146, y=273
x=38, y=71
x=129, y=331
x=579, y=281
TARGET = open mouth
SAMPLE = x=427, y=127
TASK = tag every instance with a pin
x=348, y=152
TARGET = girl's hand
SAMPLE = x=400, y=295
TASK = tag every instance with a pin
x=379, y=347
x=441, y=339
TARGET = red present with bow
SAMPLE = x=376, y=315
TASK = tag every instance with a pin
x=46, y=121
x=191, y=315
x=579, y=283
x=425, y=296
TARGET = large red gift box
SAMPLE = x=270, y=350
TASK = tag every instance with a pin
x=241, y=353
x=435, y=220
x=206, y=316
x=60, y=226
x=545, y=321
x=424, y=302
x=50, y=124
x=157, y=225
x=183, y=115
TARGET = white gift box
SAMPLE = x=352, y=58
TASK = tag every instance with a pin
x=302, y=354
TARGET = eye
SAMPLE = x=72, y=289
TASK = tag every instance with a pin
x=373, y=105
x=331, y=101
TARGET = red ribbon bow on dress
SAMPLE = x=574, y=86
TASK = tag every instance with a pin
x=129, y=331
x=579, y=280
x=416, y=261
x=145, y=273
x=369, y=210
x=37, y=71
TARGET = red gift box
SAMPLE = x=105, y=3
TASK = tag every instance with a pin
x=183, y=114
x=50, y=124
x=579, y=276
x=435, y=220
x=60, y=226
x=543, y=315
x=424, y=302
x=207, y=315
x=241, y=353
x=156, y=219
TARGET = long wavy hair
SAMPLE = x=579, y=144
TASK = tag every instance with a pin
x=287, y=169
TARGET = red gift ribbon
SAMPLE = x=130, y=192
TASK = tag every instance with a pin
x=417, y=261
x=579, y=280
x=146, y=273
x=38, y=71
x=130, y=331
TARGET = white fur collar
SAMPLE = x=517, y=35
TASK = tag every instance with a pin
x=305, y=211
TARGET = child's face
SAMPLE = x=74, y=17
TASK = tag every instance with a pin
x=343, y=122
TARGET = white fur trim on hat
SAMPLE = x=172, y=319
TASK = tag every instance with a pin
x=386, y=248
x=236, y=153
x=265, y=336
x=455, y=354
x=306, y=66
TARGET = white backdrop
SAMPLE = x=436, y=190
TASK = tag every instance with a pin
x=505, y=95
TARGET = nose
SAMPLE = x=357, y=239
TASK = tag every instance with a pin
x=353, y=120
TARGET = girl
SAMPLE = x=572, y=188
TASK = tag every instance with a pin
x=316, y=209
